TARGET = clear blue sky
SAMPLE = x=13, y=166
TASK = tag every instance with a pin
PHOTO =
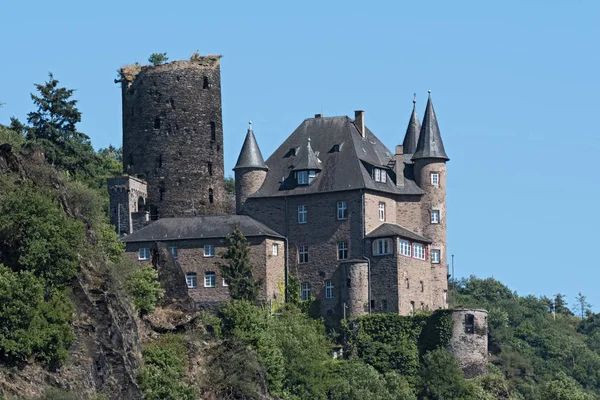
x=515, y=86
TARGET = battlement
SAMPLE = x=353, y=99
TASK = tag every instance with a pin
x=129, y=73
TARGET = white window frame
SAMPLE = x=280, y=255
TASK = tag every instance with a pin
x=224, y=282
x=383, y=176
x=404, y=247
x=312, y=175
x=210, y=280
x=328, y=289
x=302, y=254
x=342, y=208
x=302, y=214
x=418, y=251
x=342, y=249
x=435, y=179
x=435, y=216
x=436, y=255
x=302, y=177
x=305, y=291
x=377, y=174
x=381, y=211
x=275, y=249
x=144, y=253
x=382, y=247
x=191, y=279
x=209, y=250
x=174, y=252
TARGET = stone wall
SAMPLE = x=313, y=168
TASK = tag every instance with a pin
x=247, y=182
x=372, y=201
x=355, y=293
x=470, y=347
x=173, y=136
x=127, y=195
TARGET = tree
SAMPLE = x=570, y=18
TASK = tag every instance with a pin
x=238, y=272
x=583, y=306
x=441, y=377
x=230, y=185
x=144, y=288
x=560, y=305
x=158, y=58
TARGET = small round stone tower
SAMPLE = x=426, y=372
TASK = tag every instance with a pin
x=250, y=170
x=355, y=293
x=173, y=135
x=469, y=342
x=430, y=174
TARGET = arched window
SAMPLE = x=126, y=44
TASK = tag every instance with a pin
x=205, y=83
x=213, y=131
x=211, y=197
x=141, y=204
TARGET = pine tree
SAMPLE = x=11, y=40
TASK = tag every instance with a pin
x=582, y=305
x=238, y=272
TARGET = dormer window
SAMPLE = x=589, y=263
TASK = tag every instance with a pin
x=302, y=177
x=379, y=175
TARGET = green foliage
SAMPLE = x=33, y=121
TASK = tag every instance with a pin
x=238, y=270
x=31, y=324
x=441, y=377
x=563, y=388
x=144, y=288
x=293, y=290
x=158, y=58
x=161, y=377
x=14, y=138
x=230, y=185
x=212, y=324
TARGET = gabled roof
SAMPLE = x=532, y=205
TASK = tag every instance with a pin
x=250, y=155
x=307, y=159
x=200, y=228
x=430, y=140
x=411, y=139
x=392, y=230
x=344, y=167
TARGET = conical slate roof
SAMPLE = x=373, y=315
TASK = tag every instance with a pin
x=308, y=160
x=411, y=139
x=250, y=155
x=430, y=143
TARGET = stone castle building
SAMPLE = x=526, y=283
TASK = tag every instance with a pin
x=362, y=228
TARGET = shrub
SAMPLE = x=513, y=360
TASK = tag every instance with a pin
x=144, y=288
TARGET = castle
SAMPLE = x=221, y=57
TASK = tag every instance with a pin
x=362, y=228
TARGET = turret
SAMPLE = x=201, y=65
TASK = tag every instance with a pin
x=128, y=208
x=411, y=139
x=430, y=174
x=250, y=170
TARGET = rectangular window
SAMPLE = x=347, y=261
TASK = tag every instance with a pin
x=377, y=174
x=469, y=323
x=422, y=286
x=328, y=290
x=404, y=248
x=144, y=254
x=419, y=251
x=382, y=211
x=209, y=279
x=275, y=249
x=191, y=280
x=435, y=216
x=383, y=176
x=209, y=250
x=342, y=207
x=305, y=291
x=435, y=256
x=302, y=254
x=382, y=247
x=174, y=252
x=302, y=214
x=302, y=177
x=342, y=250
x=435, y=179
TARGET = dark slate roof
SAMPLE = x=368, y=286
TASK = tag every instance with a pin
x=200, y=228
x=345, y=158
x=250, y=155
x=412, y=133
x=307, y=159
x=430, y=141
x=387, y=230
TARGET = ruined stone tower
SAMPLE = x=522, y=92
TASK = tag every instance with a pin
x=173, y=135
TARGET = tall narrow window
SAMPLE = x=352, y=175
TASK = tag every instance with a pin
x=377, y=174
x=412, y=308
x=342, y=250
x=302, y=214
x=191, y=280
x=210, y=279
x=209, y=166
x=157, y=123
x=213, y=131
x=160, y=159
x=445, y=296
x=435, y=256
x=404, y=247
x=342, y=207
x=419, y=251
x=302, y=254
x=209, y=250
x=469, y=323
x=328, y=289
x=211, y=196
x=435, y=179
x=174, y=252
x=205, y=83
x=422, y=286
x=302, y=177
x=435, y=216
x=275, y=249
x=407, y=283
x=305, y=290
x=382, y=211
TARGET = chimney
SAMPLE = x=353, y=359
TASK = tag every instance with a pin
x=318, y=115
x=399, y=165
x=359, y=121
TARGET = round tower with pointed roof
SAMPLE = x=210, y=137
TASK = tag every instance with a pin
x=250, y=170
x=430, y=174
